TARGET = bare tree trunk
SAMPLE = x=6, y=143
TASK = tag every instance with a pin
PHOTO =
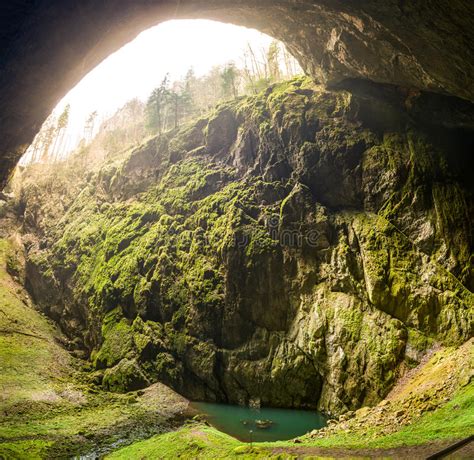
x=176, y=121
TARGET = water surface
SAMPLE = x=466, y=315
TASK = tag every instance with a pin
x=239, y=421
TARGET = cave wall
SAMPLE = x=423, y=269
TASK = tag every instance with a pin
x=47, y=46
x=302, y=247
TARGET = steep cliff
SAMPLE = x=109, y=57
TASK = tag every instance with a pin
x=301, y=248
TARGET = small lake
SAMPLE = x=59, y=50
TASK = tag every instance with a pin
x=237, y=421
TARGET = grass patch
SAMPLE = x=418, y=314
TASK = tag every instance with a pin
x=195, y=441
x=30, y=358
x=453, y=421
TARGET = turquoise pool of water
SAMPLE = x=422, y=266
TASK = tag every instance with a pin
x=239, y=421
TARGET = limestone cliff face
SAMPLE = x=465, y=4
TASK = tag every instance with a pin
x=301, y=248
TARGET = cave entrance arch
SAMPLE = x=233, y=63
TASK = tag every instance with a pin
x=47, y=46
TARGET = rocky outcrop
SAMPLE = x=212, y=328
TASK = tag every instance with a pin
x=443, y=375
x=417, y=45
x=299, y=248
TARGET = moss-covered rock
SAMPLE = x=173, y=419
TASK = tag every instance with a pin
x=294, y=247
x=125, y=376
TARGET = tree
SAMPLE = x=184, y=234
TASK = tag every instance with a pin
x=229, y=76
x=189, y=93
x=63, y=119
x=256, y=78
x=61, y=127
x=89, y=126
x=181, y=103
x=36, y=146
x=49, y=130
x=273, y=61
x=156, y=106
x=175, y=102
x=291, y=64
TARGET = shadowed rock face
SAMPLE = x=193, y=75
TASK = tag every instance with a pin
x=47, y=46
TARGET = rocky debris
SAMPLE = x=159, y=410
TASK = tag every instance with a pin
x=263, y=424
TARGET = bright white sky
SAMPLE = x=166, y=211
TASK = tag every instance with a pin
x=134, y=70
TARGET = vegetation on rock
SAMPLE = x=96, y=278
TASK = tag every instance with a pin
x=300, y=247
